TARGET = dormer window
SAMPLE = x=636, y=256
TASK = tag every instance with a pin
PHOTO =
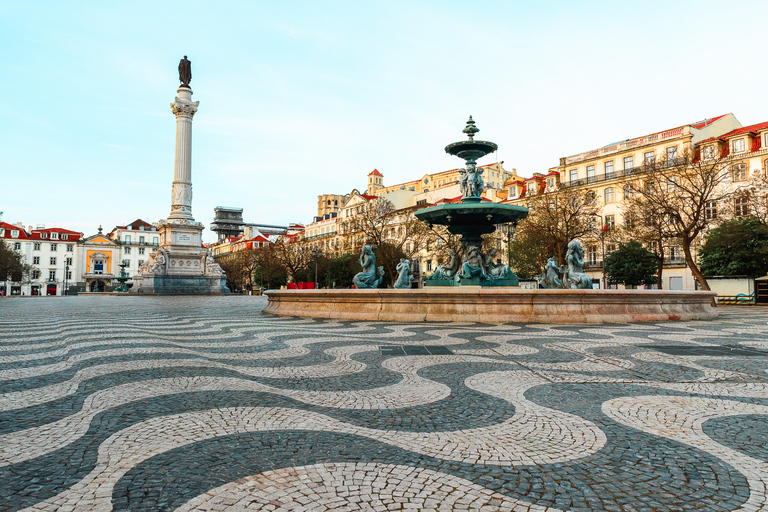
x=2, y=232
x=43, y=235
x=14, y=233
x=54, y=236
x=738, y=146
x=708, y=153
x=551, y=182
x=63, y=237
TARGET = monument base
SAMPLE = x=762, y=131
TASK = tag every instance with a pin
x=180, y=285
x=180, y=265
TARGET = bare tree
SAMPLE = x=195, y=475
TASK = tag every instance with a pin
x=678, y=195
x=556, y=218
x=294, y=256
x=396, y=232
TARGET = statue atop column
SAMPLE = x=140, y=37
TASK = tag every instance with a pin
x=185, y=71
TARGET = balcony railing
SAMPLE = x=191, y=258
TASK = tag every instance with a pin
x=602, y=177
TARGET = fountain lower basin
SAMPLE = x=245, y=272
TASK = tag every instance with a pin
x=494, y=305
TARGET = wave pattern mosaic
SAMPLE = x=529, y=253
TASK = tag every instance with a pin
x=188, y=403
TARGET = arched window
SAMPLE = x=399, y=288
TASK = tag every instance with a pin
x=609, y=195
x=629, y=191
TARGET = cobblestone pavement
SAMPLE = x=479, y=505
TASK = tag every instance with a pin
x=195, y=403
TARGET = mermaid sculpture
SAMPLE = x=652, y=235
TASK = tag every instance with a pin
x=447, y=271
x=370, y=277
x=574, y=276
x=404, y=275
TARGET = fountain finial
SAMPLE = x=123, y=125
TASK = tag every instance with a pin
x=471, y=129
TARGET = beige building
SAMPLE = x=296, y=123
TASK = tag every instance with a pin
x=609, y=171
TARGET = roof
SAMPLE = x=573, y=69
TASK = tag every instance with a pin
x=366, y=196
x=71, y=235
x=9, y=227
x=375, y=172
x=753, y=128
x=706, y=122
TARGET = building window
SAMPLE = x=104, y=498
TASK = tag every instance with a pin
x=53, y=260
x=141, y=250
x=36, y=246
x=127, y=250
x=610, y=222
x=54, y=236
x=671, y=156
x=573, y=175
x=141, y=240
x=154, y=240
x=35, y=274
x=70, y=247
x=739, y=172
x=17, y=246
x=608, y=169
x=671, y=184
x=43, y=235
x=429, y=265
x=14, y=233
x=741, y=205
x=69, y=261
x=609, y=195
x=127, y=239
x=63, y=237
x=54, y=247
x=629, y=162
x=69, y=274
x=630, y=220
x=126, y=262
x=590, y=197
x=51, y=275
x=590, y=173
x=708, y=153
x=36, y=260
x=649, y=157
x=710, y=210
x=550, y=183
x=592, y=254
x=738, y=145
x=629, y=191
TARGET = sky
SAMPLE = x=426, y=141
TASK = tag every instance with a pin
x=299, y=99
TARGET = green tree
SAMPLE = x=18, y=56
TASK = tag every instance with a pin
x=631, y=265
x=12, y=266
x=736, y=247
x=341, y=270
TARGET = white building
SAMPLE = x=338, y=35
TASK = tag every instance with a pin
x=53, y=252
x=137, y=240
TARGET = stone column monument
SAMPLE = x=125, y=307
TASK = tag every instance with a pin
x=180, y=264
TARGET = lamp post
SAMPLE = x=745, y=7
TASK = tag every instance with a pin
x=316, y=253
x=66, y=274
x=602, y=243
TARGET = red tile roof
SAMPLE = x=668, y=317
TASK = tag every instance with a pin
x=71, y=235
x=753, y=128
x=8, y=227
x=365, y=196
x=375, y=172
x=706, y=122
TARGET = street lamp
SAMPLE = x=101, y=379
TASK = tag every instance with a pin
x=602, y=243
x=316, y=253
x=66, y=274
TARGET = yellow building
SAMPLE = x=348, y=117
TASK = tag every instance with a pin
x=608, y=173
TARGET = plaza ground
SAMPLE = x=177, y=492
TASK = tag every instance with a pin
x=206, y=403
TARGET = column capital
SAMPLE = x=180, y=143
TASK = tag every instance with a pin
x=184, y=107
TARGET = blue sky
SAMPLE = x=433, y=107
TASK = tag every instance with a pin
x=299, y=99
